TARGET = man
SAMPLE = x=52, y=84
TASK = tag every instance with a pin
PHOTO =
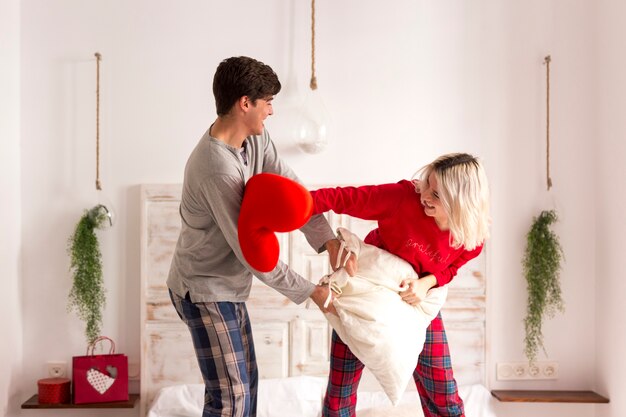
x=209, y=279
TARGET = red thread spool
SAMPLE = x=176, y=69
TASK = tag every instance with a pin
x=54, y=390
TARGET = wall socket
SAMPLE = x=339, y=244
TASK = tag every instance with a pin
x=57, y=369
x=517, y=371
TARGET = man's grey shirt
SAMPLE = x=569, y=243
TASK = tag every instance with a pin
x=208, y=262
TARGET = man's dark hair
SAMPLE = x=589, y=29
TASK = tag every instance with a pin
x=242, y=76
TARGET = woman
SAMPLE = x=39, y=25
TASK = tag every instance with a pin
x=437, y=224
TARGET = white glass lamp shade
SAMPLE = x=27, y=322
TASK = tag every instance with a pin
x=311, y=129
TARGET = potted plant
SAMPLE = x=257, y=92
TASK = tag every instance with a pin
x=87, y=296
x=542, y=266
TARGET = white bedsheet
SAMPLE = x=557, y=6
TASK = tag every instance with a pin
x=302, y=397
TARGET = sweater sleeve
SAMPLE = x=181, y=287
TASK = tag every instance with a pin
x=368, y=202
x=445, y=276
x=225, y=211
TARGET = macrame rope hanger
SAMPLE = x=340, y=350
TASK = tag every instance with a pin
x=547, y=61
x=313, y=83
x=101, y=208
x=98, y=59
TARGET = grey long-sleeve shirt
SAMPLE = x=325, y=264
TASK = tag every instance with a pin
x=208, y=262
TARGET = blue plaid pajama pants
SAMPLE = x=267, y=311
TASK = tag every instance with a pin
x=222, y=339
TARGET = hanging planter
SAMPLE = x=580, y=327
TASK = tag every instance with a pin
x=542, y=266
x=87, y=295
x=542, y=260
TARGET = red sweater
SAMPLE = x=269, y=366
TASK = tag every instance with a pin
x=403, y=227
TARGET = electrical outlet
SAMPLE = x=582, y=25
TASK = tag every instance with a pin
x=519, y=370
x=533, y=370
x=57, y=369
x=133, y=371
x=516, y=371
x=551, y=370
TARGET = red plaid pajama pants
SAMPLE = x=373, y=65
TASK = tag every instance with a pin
x=433, y=377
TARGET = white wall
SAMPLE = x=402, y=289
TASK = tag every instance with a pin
x=533, y=30
x=609, y=192
x=11, y=324
x=402, y=84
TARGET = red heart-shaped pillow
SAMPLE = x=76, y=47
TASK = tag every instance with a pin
x=271, y=203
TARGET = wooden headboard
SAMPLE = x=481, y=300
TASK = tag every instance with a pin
x=289, y=339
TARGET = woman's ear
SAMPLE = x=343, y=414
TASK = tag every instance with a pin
x=417, y=184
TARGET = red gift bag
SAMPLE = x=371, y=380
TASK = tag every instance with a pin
x=100, y=378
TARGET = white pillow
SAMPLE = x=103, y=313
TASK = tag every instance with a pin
x=300, y=396
x=178, y=401
x=384, y=332
x=477, y=399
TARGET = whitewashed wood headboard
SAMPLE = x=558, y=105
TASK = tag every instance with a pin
x=289, y=339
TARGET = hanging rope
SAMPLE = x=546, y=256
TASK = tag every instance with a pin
x=547, y=61
x=98, y=58
x=313, y=83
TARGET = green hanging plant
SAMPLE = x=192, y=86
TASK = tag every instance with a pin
x=542, y=265
x=87, y=296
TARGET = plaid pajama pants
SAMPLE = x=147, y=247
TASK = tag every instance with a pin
x=433, y=377
x=222, y=339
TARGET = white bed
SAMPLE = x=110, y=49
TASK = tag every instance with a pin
x=302, y=396
x=292, y=342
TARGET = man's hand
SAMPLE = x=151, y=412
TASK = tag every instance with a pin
x=332, y=246
x=414, y=290
x=319, y=296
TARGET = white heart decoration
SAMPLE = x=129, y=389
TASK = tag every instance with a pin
x=99, y=381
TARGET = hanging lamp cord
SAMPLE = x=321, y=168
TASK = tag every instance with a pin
x=98, y=58
x=313, y=83
x=547, y=61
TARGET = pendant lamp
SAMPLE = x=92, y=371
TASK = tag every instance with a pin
x=311, y=133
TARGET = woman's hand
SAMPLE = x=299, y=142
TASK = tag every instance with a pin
x=414, y=290
x=332, y=246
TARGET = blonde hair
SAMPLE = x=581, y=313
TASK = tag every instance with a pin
x=464, y=194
